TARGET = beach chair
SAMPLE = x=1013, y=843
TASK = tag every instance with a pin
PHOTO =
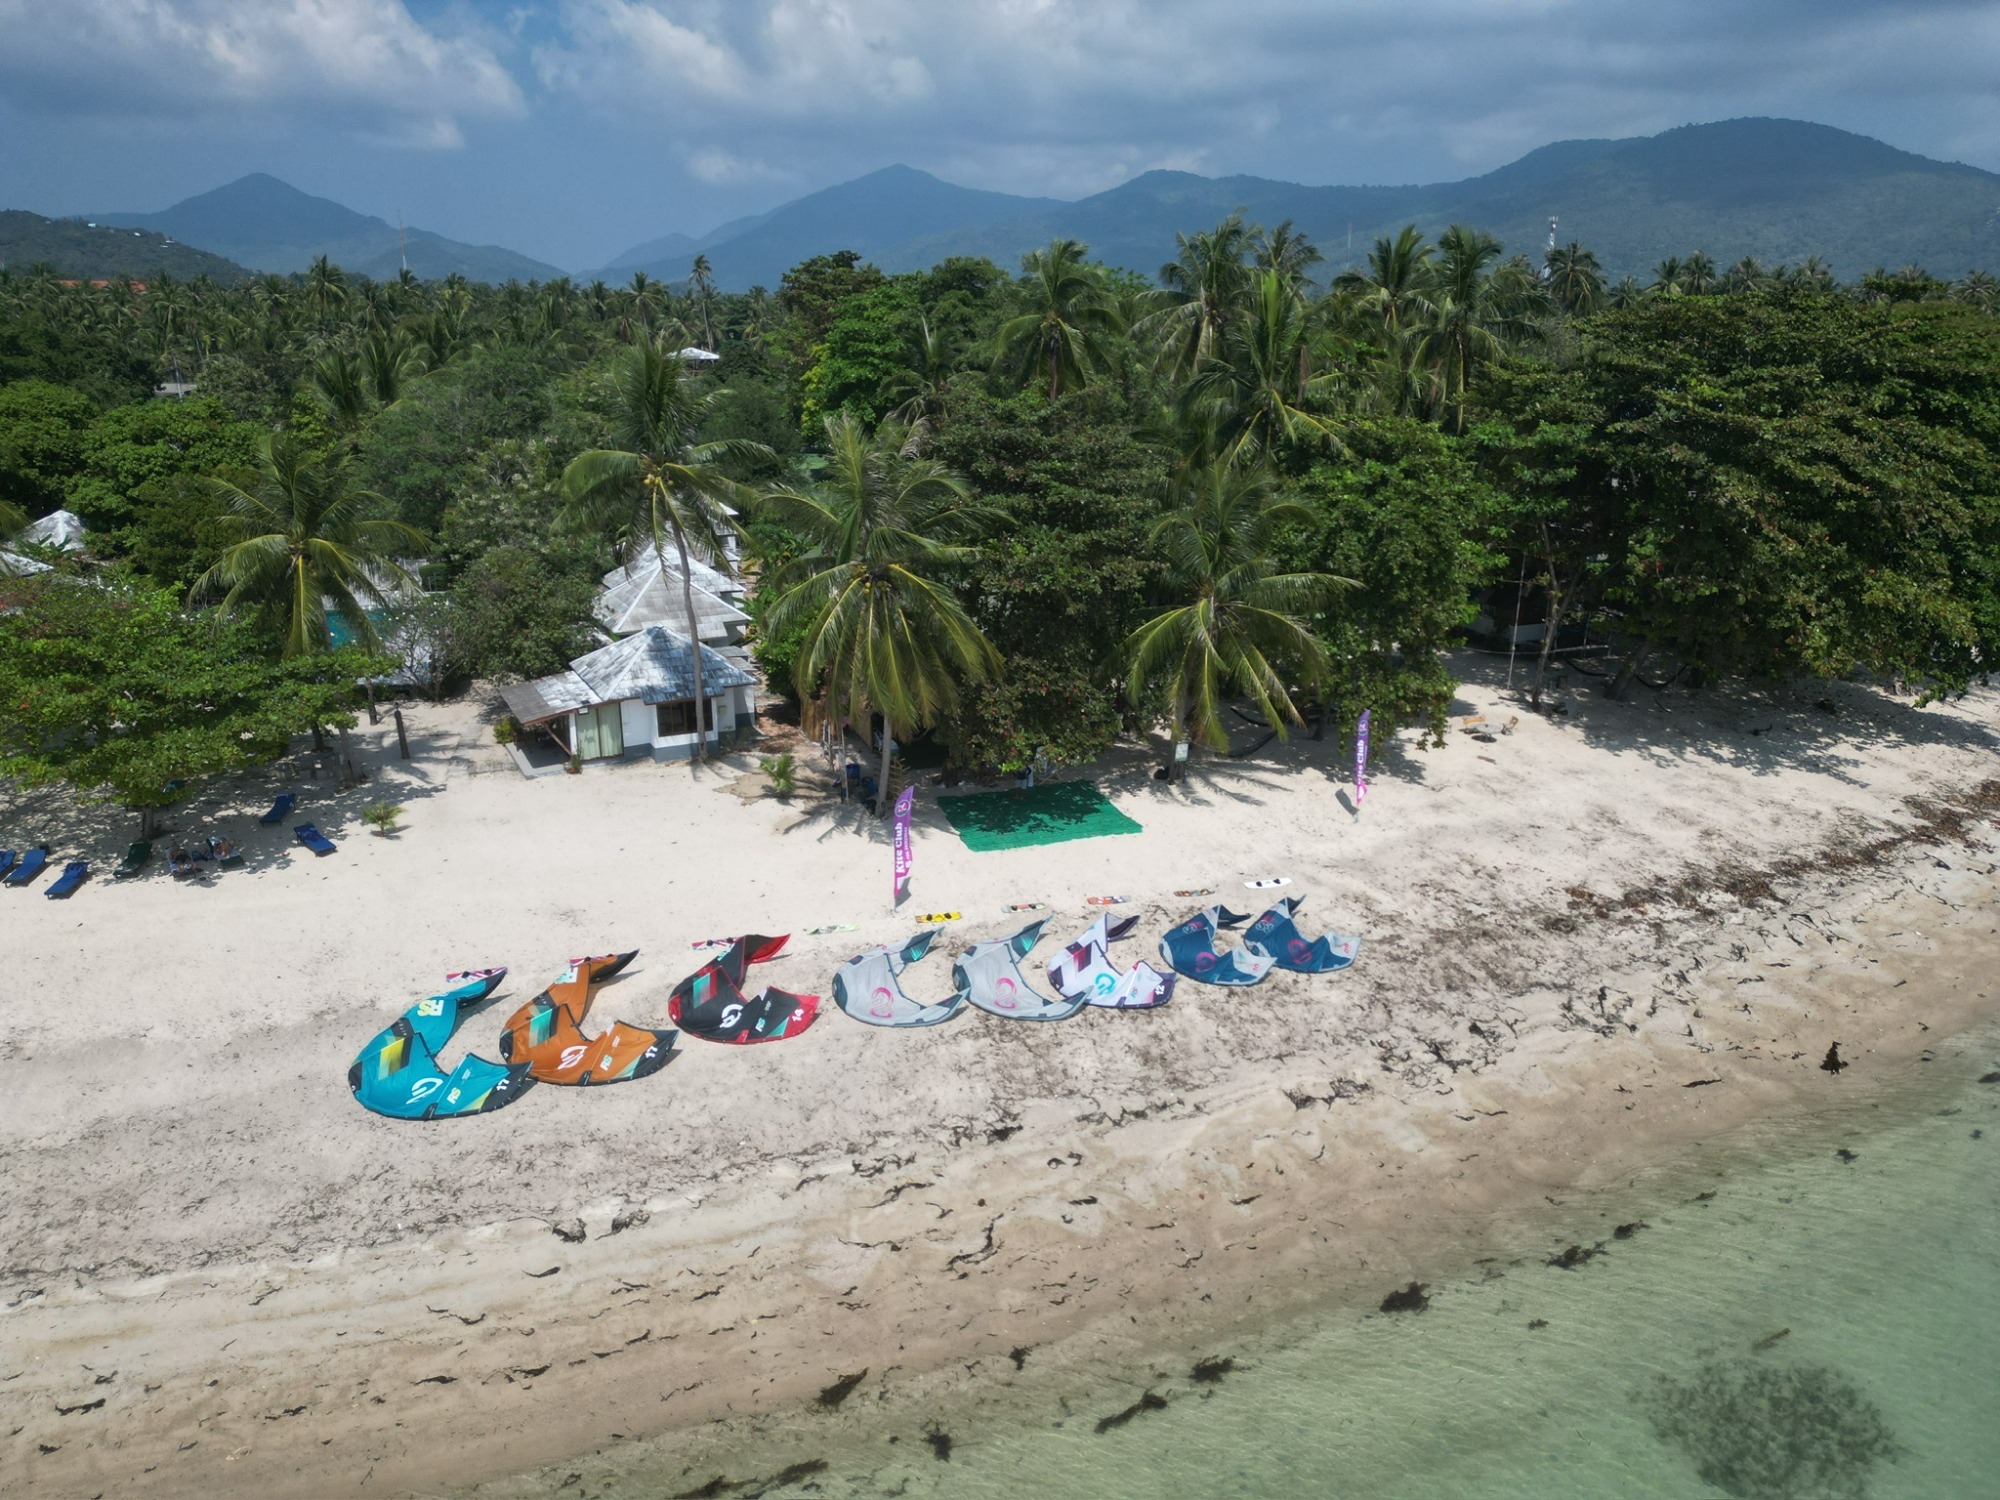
x=6, y=860
x=313, y=839
x=72, y=876
x=29, y=866
x=180, y=863
x=224, y=851
x=137, y=857
x=280, y=809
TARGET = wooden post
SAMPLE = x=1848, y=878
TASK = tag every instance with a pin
x=402, y=734
x=374, y=717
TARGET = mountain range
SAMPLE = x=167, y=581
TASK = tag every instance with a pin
x=269, y=225
x=1779, y=190
x=97, y=252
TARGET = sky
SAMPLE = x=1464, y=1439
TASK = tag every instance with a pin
x=572, y=129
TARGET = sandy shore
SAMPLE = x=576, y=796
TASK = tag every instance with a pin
x=1586, y=944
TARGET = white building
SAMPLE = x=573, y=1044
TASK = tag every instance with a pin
x=635, y=698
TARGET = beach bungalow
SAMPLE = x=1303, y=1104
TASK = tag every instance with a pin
x=644, y=593
x=635, y=698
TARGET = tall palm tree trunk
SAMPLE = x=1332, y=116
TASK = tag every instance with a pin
x=694, y=643
x=882, y=785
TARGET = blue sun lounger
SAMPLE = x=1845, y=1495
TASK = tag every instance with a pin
x=71, y=877
x=30, y=866
x=281, y=809
x=6, y=860
x=312, y=838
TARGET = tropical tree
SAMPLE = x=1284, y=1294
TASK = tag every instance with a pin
x=701, y=291
x=1233, y=622
x=1257, y=393
x=1287, y=252
x=1575, y=279
x=1070, y=320
x=1472, y=315
x=301, y=541
x=1394, y=290
x=326, y=288
x=882, y=629
x=661, y=484
x=1201, y=292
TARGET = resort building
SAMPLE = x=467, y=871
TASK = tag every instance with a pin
x=630, y=699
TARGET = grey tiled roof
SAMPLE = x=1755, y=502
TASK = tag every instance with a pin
x=655, y=666
x=649, y=596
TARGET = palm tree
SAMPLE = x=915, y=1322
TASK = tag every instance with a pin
x=1235, y=623
x=1698, y=275
x=1201, y=290
x=1575, y=279
x=1258, y=393
x=1626, y=293
x=1979, y=289
x=1473, y=316
x=390, y=360
x=1287, y=252
x=661, y=483
x=326, y=288
x=300, y=541
x=701, y=290
x=1667, y=277
x=882, y=630
x=1745, y=276
x=1069, y=322
x=924, y=381
x=1393, y=291
x=343, y=388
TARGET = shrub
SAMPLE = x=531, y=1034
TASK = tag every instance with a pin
x=382, y=816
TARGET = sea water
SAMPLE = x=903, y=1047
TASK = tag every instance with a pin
x=1809, y=1309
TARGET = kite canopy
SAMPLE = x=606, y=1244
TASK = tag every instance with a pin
x=1275, y=935
x=547, y=1033
x=866, y=987
x=710, y=1002
x=1190, y=949
x=989, y=976
x=398, y=1073
x=1084, y=971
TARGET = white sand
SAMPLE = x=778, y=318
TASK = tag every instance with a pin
x=255, y=1277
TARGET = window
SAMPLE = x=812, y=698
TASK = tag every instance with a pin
x=678, y=718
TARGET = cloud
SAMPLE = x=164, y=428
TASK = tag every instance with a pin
x=367, y=66
x=1069, y=96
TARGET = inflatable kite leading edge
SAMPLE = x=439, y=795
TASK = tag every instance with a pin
x=1084, y=971
x=1275, y=934
x=989, y=976
x=866, y=987
x=1190, y=949
x=710, y=1002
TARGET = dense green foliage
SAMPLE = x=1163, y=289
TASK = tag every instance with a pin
x=1030, y=513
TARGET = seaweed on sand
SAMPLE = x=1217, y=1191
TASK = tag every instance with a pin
x=1773, y=1432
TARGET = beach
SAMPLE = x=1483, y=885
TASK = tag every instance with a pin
x=1589, y=943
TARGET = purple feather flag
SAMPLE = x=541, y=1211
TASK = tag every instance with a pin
x=904, y=802
x=1361, y=760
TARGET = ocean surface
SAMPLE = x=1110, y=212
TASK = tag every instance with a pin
x=1808, y=1309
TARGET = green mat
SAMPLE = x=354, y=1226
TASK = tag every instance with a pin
x=1046, y=815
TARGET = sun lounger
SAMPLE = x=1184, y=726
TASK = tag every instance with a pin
x=224, y=851
x=6, y=860
x=30, y=865
x=137, y=857
x=312, y=838
x=180, y=863
x=72, y=876
x=280, y=809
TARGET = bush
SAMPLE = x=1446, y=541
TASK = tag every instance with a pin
x=507, y=730
x=382, y=816
x=783, y=771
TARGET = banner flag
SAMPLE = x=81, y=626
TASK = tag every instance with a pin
x=1361, y=760
x=904, y=802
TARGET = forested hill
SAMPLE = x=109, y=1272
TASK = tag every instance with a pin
x=102, y=253
x=271, y=226
x=1778, y=190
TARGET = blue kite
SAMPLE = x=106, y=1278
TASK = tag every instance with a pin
x=1274, y=935
x=398, y=1073
x=1190, y=949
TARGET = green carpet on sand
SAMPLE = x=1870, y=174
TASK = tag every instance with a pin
x=1046, y=815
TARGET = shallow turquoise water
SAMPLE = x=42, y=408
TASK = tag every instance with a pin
x=1884, y=1269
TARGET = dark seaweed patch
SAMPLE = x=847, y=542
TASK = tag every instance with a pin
x=1146, y=1403
x=750, y=1489
x=1210, y=1371
x=1410, y=1299
x=840, y=1390
x=1989, y=1077
x=1626, y=1231
x=1577, y=1255
x=1020, y=1355
x=1773, y=1432
x=940, y=1442
x=1833, y=1062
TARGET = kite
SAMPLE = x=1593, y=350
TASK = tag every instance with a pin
x=398, y=1073
x=1084, y=971
x=547, y=1033
x=710, y=1002
x=1190, y=949
x=989, y=976
x=1274, y=934
x=866, y=988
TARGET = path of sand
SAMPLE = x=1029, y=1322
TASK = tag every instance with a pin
x=1585, y=943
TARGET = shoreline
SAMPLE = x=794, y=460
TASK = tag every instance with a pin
x=1359, y=1135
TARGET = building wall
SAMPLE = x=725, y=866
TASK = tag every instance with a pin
x=727, y=714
